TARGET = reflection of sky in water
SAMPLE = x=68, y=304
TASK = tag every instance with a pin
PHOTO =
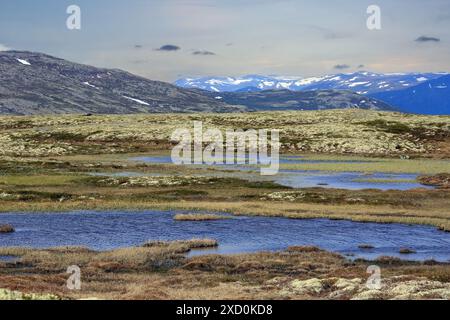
x=113, y=229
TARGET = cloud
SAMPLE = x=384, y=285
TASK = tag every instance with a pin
x=4, y=48
x=169, y=47
x=203, y=53
x=341, y=66
x=427, y=39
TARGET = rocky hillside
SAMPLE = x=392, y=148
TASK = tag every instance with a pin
x=35, y=83
x=301, y=100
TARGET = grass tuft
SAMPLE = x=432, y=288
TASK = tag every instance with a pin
x=6, y=228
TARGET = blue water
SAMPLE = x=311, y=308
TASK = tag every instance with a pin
x=325, y=179
x=282, y=159
x=347, y=180
x=113, y=229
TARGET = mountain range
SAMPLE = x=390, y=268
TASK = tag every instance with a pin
x=425, y=93
x=277, y=100
x=37, y=83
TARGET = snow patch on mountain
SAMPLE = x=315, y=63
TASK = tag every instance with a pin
x=24, y=62
x=90, y=85
x=137, y=100
x=364, y=82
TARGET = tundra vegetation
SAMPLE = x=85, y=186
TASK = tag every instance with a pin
x=61, y=163
x=161, y=270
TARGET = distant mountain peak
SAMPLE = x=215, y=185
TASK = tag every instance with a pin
x=363, y=82
x=405, y=87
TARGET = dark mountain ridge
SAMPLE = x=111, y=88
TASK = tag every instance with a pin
x=36, y=83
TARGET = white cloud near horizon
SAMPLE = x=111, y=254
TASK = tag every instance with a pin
x=4, y=48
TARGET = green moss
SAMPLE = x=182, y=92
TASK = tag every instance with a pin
x=388, y=126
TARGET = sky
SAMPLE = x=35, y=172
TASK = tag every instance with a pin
x=170, y=39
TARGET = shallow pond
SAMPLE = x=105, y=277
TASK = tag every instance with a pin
x=309, y=179
x=348, y=180
x=108, y=230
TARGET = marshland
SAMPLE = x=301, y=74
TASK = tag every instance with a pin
x=368, y=187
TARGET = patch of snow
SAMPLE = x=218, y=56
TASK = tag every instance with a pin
x=239, y=81
x=335, y=78
x=218, y=98
x=90, y=85
x=285, y=85
x=355, y=84
x=24, y=62
x=307, y=81
x=136, y=100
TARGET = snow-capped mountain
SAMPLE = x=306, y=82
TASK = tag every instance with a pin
x=361, y=82
x=423, y=93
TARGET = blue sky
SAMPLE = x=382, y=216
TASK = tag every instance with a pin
x=282, y=37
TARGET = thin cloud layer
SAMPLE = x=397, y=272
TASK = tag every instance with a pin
x=4, y=48
x=341, y=66
x=203, y=53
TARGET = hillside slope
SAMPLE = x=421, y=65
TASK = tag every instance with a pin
x=432, y=97
x=36, y=83
x=301, y=100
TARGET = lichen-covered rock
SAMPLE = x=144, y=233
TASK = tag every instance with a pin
x=369, y=295
x=6, y=294
x=310, y=286
x=419, y=289
x=164, y=181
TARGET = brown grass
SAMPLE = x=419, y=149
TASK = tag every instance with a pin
x=162, y=271
x=189, y=244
